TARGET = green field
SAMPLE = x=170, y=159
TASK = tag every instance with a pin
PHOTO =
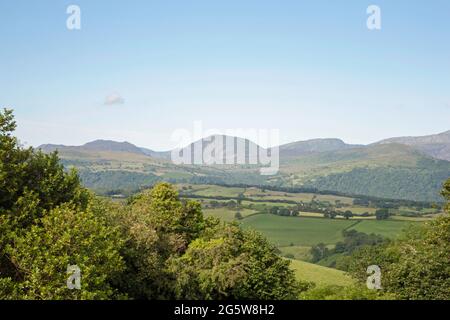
x=213, y=190
x=297, y=252
x=283, y=231
x=320, y=275
x=386, y=228
x=305, y=231
x=226, y=214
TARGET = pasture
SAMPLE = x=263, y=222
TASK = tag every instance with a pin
x=284, y=231
x=321, y=276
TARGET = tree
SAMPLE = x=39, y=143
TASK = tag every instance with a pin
x=31, y=184
x=382, y=214
x=46, y=220
x=158, y=227
x=348, y=214
x=67, y=236
x=319, y=252
x=417, y=266
x=229, y=263
x=274, y=210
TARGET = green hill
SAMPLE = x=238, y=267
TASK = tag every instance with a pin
x=386, y=170
x=321, y=276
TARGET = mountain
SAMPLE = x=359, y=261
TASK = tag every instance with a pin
x=156, y=154
x=399, y=168
x=436, y=145
x=300, y=148
x=386, y=171
x=105, y=146
x=222, y=149
x=96, y=146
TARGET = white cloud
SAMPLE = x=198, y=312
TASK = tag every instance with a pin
x=114, y=99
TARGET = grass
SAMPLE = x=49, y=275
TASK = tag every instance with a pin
x=300, y=232
x=284, y=231
x=226, y=214
x=320, y=275
x=308, y=231
x=255, y=193
x=386, y=228
x=298, y=252
x=212, y=190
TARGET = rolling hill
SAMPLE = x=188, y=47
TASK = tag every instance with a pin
x=301, y=148
x=321, y=276
x=436, y=145
x=397, y=168
x=95, y=146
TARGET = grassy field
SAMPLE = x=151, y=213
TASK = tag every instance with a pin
x=320, y=275
x=296, y=252
x=283, y=231
x=293, y=234
x=255, y=193
x=226, y=214
x=305, y=231
x=386, y=228
x=212, y=190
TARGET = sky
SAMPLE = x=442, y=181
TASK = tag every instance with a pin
x=139, y=70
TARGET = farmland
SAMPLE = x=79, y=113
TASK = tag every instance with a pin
x=297, y=222
x=321, y=276
x=308, y=227
x=283, y=231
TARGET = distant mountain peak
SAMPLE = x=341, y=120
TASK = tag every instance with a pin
x=435, y=145
x=109, y=145
x=299, y=148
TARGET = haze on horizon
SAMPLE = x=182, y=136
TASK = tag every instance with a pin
x=137, y=72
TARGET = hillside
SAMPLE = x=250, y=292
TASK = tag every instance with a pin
x=230, y=150
x=321, y=276
x=384, y=170
x=388, y=170
x=436, y=145
x=95, y=146
x=300, y=148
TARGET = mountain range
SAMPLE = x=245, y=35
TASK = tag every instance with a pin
x=436, y=145
x=400, y=168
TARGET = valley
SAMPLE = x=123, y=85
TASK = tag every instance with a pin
x=297, y=222
x=388, y=170
x=327, y=193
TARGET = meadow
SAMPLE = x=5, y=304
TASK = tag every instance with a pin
x=284, y=231
x=386, y=228
x=321, y=276
x=303, y=231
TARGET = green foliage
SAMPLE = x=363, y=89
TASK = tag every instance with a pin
x=106, y=181
x=158, y=227
x=414, y=267
x=228, y=263
x=347, y=214
x=154, y=247
x=30, y=184
x=382, y=214
x=337, y=257
x=417, y=183
x=319, y=252
x=353, y=292
x=446, y=194
x=157, y=246
x=66, y=236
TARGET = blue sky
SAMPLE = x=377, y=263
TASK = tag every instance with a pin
x=309, y=68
